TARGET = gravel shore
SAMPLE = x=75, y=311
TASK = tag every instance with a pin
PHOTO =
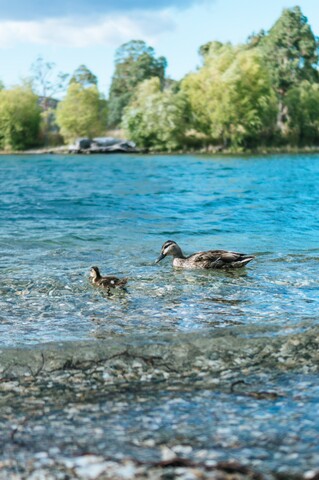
x=194, y=407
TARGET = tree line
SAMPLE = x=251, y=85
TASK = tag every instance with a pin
x=264, y=92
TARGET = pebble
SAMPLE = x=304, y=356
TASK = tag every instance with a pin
x=116, y=419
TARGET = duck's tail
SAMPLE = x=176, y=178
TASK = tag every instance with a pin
x=242, y=262
x=122, y=282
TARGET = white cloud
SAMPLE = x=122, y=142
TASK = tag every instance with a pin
x=109, y=30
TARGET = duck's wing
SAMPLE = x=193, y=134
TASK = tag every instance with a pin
x=208, y=259
x=121, y=282
x=112, y=282
x=221, y=259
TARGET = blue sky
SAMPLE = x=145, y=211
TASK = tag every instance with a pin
x=74, y=32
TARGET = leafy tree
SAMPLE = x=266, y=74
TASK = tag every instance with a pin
x=156, y=119
x=255, y=39
x=291, y=52
x=82, y=113
x=204, y=88
x=19, y=118
x=84, y=77
x=134, y=62
x=303, y=105
x=231, y=97
x=208, y=49
x=47, y=83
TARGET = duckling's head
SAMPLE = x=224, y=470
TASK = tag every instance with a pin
x=170, y=248
x=95, y=272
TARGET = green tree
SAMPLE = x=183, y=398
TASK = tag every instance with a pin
x=291, y=52
x=303, y=105
x=209, y=49
x=82, y=113
x=231, y=97
x=205, y=89
x=19, y=118
x=84, y=77
x=47, y=83
x=156, y=119
x=135, y=62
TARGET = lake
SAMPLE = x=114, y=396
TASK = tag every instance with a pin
x=60, y=215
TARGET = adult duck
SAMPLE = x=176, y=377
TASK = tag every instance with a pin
x=211, y=259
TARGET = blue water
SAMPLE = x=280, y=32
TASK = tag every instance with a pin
x=59, y=215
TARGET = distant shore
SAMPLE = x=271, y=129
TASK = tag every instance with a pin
x=64, y=150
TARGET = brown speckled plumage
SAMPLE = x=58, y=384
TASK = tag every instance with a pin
x=107, y=282
x=211, y=259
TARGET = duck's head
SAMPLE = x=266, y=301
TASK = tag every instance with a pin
x=170, y=248
x=94, y=272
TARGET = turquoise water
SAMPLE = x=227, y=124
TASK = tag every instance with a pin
x=61, y=215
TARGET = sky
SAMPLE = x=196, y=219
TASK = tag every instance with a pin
x=69, y=33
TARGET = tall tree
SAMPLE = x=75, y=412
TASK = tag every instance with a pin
x=291, y=52
x=84, y=77
x=135, y=62
x=231, y=97
x=82, y=113
x=303, y=106
x=47, y=83
x=156, y=119
x=19, y=118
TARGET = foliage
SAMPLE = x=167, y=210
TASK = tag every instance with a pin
x=231, y=97
x=291, y=53
x=134, y=62
x=156, y=119
x=19, y=118
x=45, y=81
x=303, y=106
x=84, y=77
x=82, y=113
x=207, y=50
x=291, y=50
x=49, y=131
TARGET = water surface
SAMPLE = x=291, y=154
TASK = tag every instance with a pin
x=61, y=214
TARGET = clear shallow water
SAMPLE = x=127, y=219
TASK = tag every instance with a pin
x=60, y=215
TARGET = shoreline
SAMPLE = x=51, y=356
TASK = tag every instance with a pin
x=228, y=348
x=168, y=411
x=61, y=150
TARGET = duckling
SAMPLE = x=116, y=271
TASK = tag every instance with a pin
x=212, y=259
x=106, y=282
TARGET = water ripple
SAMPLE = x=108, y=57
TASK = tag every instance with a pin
x=61, y=215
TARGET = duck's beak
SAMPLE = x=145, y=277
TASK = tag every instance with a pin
x=160, y=257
